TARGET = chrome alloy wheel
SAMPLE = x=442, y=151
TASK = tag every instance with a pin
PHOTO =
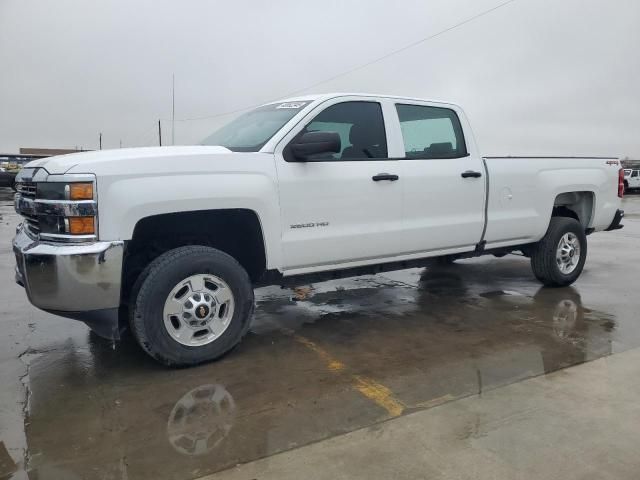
x=198, y=310
x=568, y=253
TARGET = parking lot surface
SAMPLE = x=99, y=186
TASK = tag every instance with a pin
x=319, y=362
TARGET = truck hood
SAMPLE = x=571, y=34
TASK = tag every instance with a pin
x=98, y=161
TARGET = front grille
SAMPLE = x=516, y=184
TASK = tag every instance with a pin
x=26, y=189
x=32, y=222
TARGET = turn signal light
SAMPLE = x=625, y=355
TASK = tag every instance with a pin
x=81, y=225
x=81, y=191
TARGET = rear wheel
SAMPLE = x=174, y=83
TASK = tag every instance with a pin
x=192, y=304
x=558, y=259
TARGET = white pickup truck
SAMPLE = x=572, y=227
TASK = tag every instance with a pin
x=173, y=239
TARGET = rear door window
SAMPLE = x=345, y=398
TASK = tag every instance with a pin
x=431, y=132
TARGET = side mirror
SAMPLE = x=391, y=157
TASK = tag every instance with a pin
x=313, y=143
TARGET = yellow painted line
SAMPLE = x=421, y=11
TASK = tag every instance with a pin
x=332, y=364
x=380, y=394
x=371, y=389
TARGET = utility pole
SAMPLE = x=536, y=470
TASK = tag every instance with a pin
x=159, y=133
x=173, y=109
x=100, y=140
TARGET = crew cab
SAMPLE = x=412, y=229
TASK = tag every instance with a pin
x=174, y=239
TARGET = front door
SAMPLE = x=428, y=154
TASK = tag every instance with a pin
x=337, y=209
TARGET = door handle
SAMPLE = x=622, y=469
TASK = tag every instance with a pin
x=471, y=173
x=385, y=176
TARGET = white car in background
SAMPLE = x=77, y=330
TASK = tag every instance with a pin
x=631, y=179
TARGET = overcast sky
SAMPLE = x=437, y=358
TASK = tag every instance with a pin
x=535, y=76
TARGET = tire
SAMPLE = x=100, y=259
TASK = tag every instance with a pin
x=626, y=187
x=546, y=267
x=157, y=333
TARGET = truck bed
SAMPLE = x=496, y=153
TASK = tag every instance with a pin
x=522, y=192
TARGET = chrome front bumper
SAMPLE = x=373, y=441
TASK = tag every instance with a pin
x=69, y=279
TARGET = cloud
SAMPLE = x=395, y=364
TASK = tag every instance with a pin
x=540, y=77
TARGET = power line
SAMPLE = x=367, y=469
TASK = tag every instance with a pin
x=344, y=73
x=361, y=66
x=406, y=47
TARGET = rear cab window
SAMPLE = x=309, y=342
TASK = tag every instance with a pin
x=430, y=132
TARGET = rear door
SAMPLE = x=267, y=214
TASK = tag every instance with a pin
x=443, y=180
x=338, y=209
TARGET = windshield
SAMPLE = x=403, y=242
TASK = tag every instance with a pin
x=249, y=132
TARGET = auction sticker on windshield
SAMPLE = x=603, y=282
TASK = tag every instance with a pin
x=291, y=105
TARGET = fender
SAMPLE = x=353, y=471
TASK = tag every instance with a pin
x=192, y=180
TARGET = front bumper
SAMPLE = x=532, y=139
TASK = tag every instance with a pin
x=74, y=280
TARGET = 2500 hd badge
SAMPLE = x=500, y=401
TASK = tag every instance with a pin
x=310, y=225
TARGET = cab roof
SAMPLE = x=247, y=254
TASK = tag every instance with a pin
x=327, y=96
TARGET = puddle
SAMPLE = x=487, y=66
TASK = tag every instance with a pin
x=96, y=407
x=420, y=337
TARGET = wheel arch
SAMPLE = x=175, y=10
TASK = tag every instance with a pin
x=578, y=205
x=235, y=231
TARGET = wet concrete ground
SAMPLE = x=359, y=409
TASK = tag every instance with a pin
x=352, y=354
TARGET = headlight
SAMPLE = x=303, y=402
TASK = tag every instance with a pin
x=60, y=210
x=50, y=191
x=65, y=191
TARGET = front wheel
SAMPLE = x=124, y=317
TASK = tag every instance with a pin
x=192, y=304
x=558, y=259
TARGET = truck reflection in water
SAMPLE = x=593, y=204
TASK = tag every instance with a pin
x=102, y=412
